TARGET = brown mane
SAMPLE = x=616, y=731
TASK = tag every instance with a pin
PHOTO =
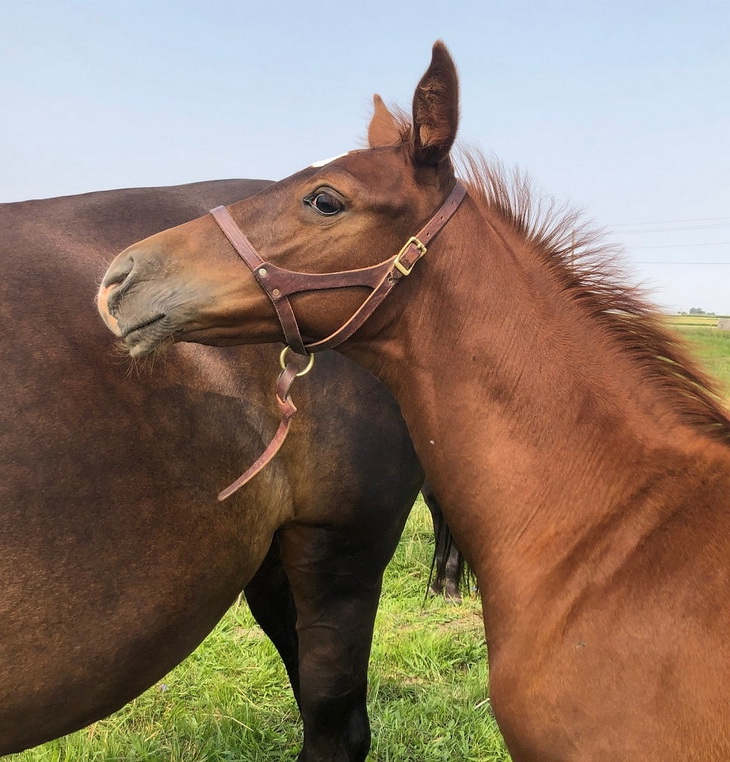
x=587, y=267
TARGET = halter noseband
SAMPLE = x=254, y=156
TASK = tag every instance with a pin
x=279, y=284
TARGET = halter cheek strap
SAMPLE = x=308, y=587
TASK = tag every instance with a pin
x=263, y=272
x=279, y=284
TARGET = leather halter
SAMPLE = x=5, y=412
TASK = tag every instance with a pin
x=279, y=284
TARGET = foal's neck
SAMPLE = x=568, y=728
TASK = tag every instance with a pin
x=531, y=423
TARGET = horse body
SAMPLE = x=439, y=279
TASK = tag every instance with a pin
x=115, y=557
x=579, y=455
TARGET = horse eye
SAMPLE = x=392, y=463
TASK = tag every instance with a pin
x=325, y=203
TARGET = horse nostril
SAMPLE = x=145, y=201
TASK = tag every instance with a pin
x=116, y=282
x=118, y=272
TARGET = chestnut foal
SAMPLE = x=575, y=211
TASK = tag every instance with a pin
x=581, y=458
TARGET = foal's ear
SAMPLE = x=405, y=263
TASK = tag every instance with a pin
x=383, y=129
x=436, y=109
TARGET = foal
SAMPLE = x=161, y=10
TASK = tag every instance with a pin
x=581, y=458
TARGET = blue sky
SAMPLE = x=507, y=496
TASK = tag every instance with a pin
x=620, y=108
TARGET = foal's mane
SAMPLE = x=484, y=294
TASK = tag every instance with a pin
x=585, y=265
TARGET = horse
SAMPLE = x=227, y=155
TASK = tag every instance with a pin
x=580, y=456
x=115, y=557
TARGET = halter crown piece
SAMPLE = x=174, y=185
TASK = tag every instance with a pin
x=279, y=284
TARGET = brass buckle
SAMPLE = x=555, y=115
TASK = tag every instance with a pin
x=421, y=248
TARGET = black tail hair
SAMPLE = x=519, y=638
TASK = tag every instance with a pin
x=450, y=574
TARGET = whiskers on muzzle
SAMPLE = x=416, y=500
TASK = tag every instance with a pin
x=145, y=365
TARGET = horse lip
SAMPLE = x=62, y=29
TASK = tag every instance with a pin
x=141, y=326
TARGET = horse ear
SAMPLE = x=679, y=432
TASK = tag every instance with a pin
x=436, y=109
x=383, y=129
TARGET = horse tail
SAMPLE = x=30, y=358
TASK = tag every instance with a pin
x=450, y=574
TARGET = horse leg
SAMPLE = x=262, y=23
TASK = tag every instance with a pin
x=336, y=576
x=269, y=596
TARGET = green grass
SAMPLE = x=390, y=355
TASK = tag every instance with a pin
x=230, y=699
x=710, y=344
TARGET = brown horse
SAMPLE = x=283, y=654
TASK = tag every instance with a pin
x=115, y=557
x=580, y=456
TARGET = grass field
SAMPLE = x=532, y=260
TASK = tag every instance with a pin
x=694, y=321
x=428, y=694
x=711, y=344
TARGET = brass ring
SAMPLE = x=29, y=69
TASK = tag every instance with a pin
x=304, y=372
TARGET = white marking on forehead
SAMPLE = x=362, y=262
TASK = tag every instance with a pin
x=327, y=161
